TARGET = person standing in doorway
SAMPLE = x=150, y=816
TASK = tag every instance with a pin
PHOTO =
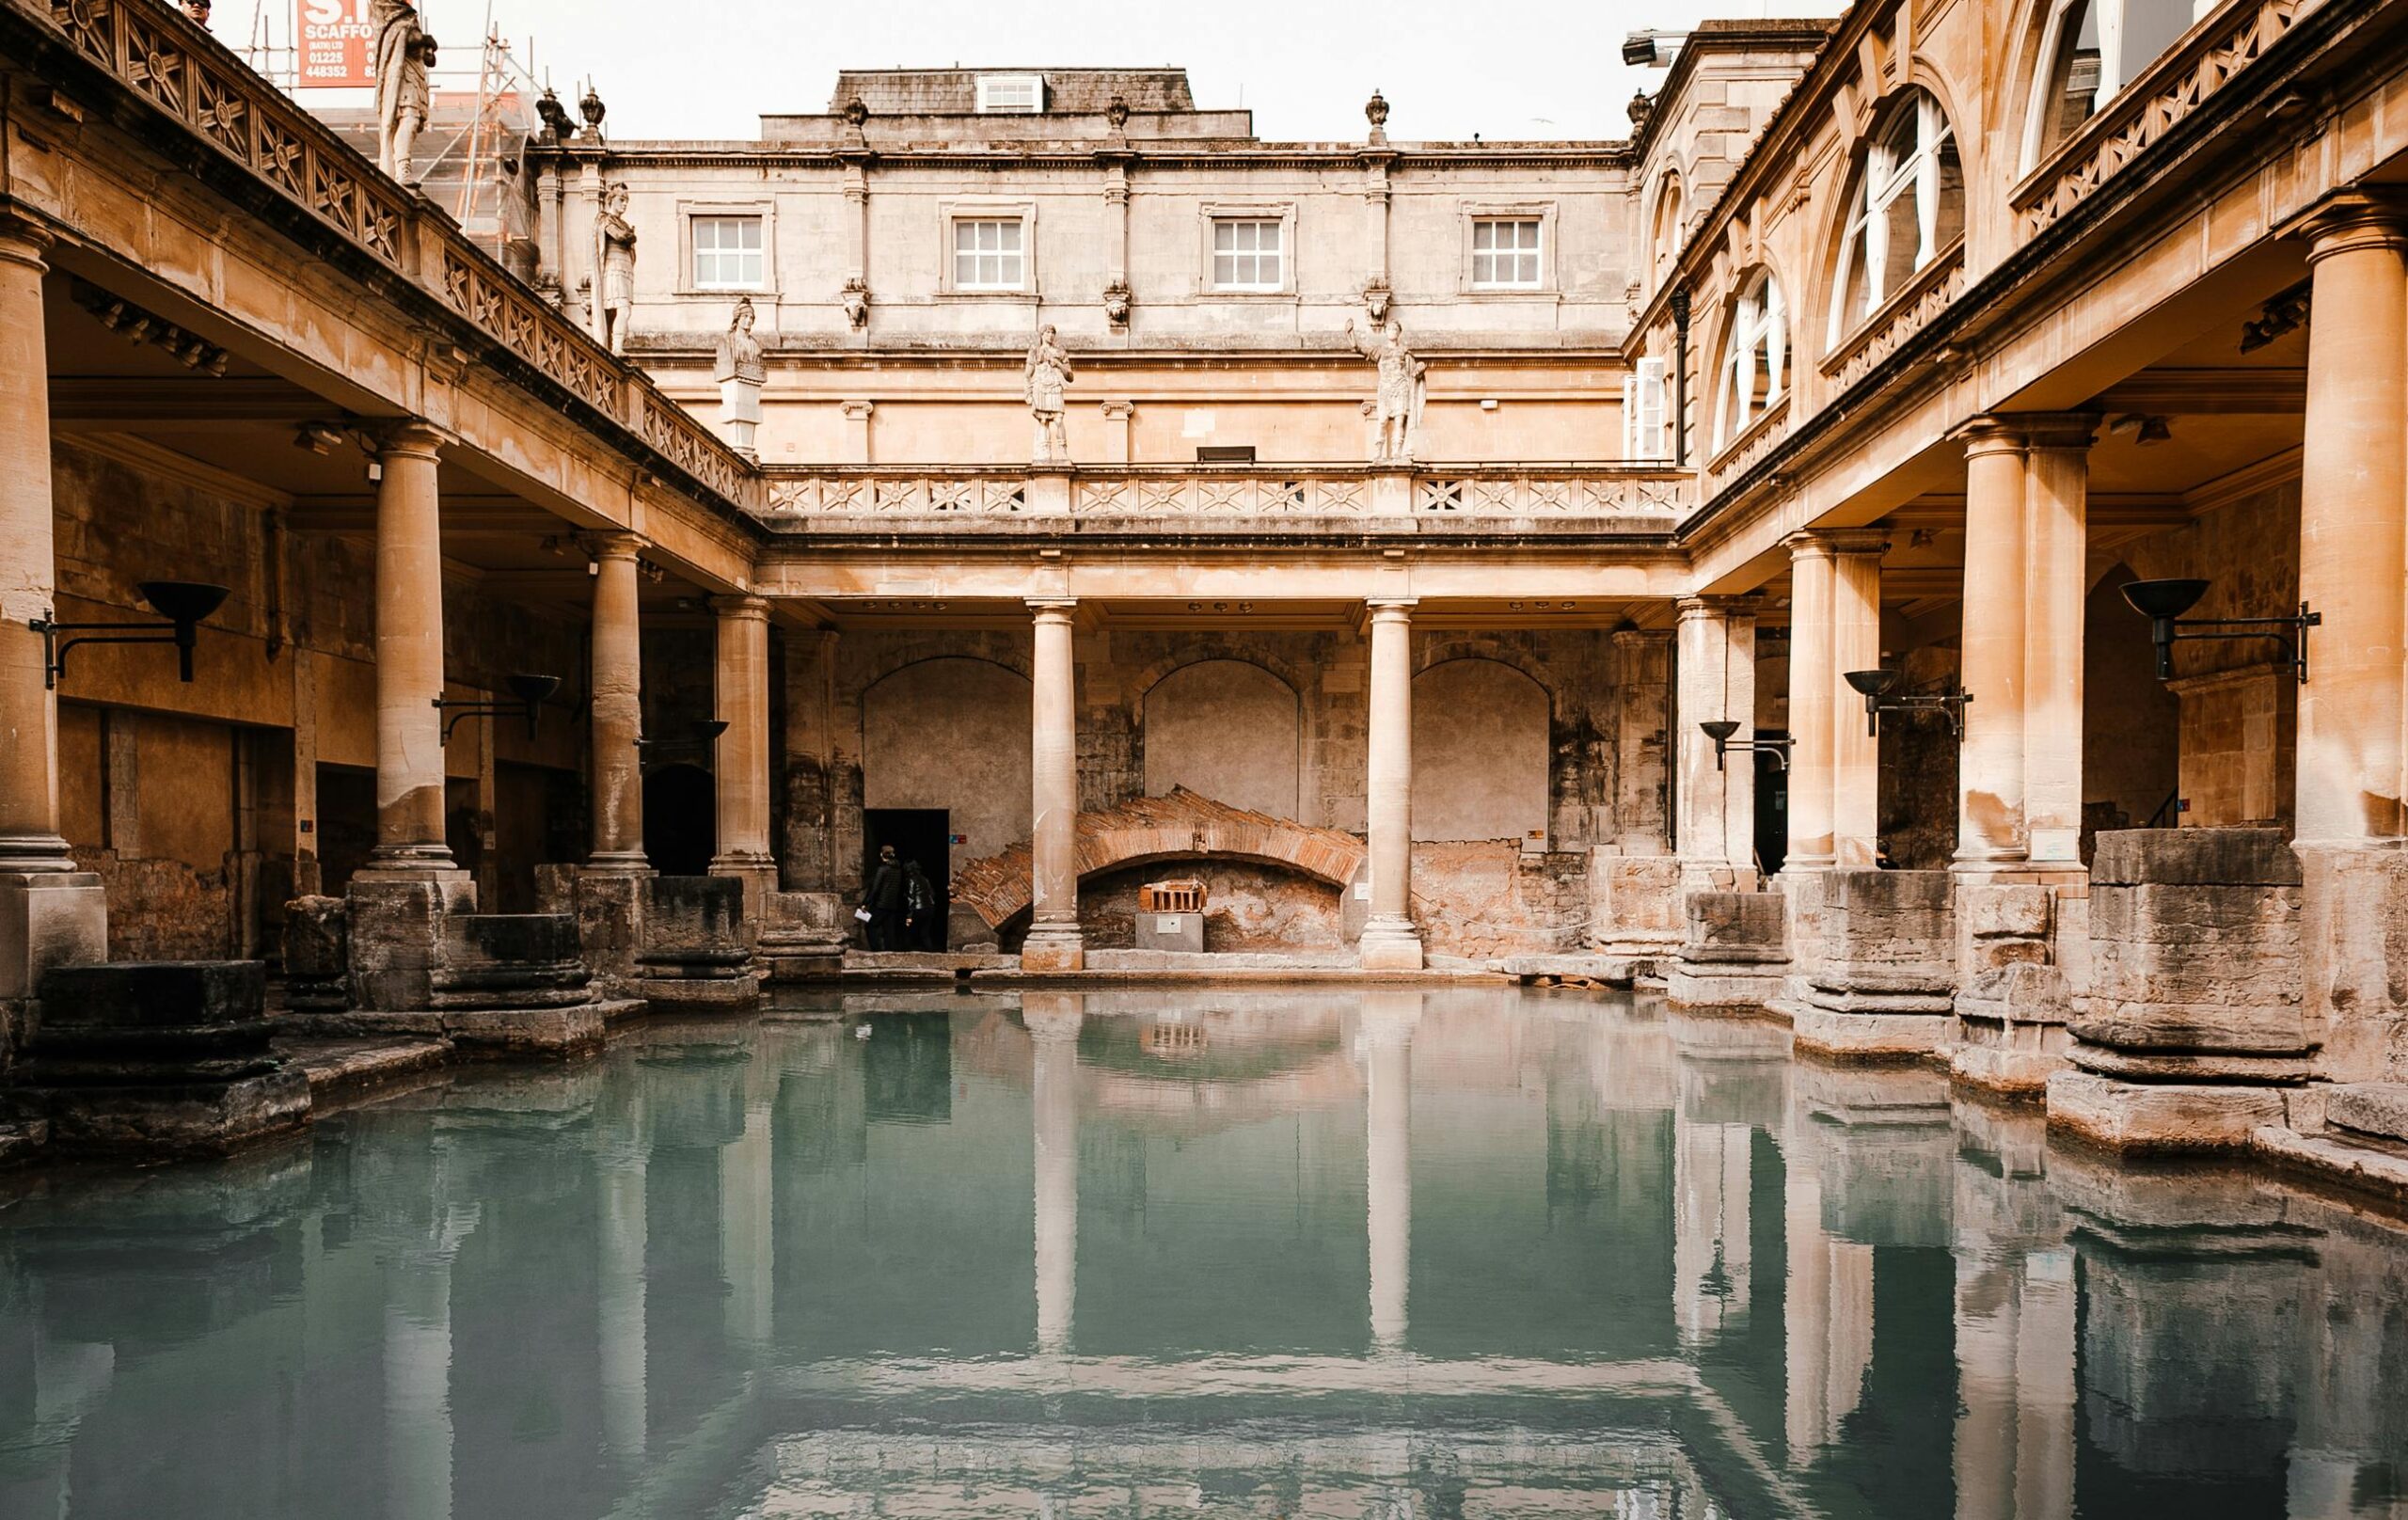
x=926, y=922
x=886, y=900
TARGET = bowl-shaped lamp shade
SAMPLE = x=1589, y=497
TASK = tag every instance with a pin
x=708, y=729
x=2165, y=598
x=1872, y=683
x=1720, y=730
x=184, y=601
x=535, y=689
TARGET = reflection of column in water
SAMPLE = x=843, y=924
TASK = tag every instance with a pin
x=417, y=1373
x=1710, y=1235
x=1388, y=1021
x=745, y=1242
x=56, y=1383
x=2015, y=1323
x=622, y=1354
x=1054, y=1019
x=1806, y=1313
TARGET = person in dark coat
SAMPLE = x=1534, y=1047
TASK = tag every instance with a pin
x=886, y=899
x=926, y=918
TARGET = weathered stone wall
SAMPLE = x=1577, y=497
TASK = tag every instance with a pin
x=2237, y=711
x=1248, y=908
x=199, y=804
x=939, y=720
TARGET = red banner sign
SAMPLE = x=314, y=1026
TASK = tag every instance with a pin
x=334, y=38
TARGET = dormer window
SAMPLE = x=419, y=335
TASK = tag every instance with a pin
x=1012, y=94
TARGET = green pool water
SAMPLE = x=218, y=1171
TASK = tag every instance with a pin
x=1324, y=1252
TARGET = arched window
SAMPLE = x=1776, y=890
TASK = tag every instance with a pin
x=1755, y=365
x=1908, y=205
x=2092, y=49
x=1672, y=216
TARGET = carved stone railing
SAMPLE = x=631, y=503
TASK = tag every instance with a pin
x=1200, y=495
x=1933, y=290
x=2173, y=89
x=212, y=93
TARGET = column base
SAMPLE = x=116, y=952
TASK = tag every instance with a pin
x=617, y=862
x=1054, y=948
x=1390, y=944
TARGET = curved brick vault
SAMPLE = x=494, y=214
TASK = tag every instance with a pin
x=1182, y=825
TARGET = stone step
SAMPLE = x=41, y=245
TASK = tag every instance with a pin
x=2375, y=1108
x=2374, y=1165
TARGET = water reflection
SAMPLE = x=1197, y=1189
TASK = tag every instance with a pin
x=1382, y=1253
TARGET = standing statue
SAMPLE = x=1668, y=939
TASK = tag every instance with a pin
x=404, y=57
x=1048, y=371
x=615, y=257
x=1404, y=389
x=742, y=371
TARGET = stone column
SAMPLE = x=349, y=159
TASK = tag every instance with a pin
x=1989, y=768
x=617, y=685
x=1856, y=645
x=1053, y=1020
x=1055, y=941
x=2057, y=573
x=1716, y=822
x=409, y=659
x=1389, y=1018
x=1391, y=940
x=51, y=915
x=2354, y=526
x=1813, y=682
x=742, y=766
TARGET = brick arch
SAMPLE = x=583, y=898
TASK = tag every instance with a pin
x=1498, y=651
x=1180, y=827
x=923, y=652
x=1205, y=651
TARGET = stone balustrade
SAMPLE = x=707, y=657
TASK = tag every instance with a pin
x=206, y=88
x=1643, y=499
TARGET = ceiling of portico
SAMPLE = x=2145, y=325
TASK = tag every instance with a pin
x=1228, y=615
x=223, y=425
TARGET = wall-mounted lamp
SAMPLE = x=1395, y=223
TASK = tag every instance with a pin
x=1720, y=730
x=704, y=732
x=1875, y=687
x=185, y=605
x=533, y=691
x=2163, y=602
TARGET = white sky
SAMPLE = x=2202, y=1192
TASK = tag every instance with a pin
x=1450, y=69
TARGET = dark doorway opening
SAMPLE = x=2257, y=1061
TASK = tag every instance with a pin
x=922, y=835
x=680, y=820
x=345, y=825
x=1772, y=809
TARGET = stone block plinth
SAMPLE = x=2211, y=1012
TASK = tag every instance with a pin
x=157, y=1057
x=2353, y=922
x=516, y=984
x=317, y=955
x=802, y=938
x=396, y=924
x=1884, y=983
x=1634, y=909
x=47, y=920
x=2009, y=1031
x=2196, y=1017
x=693, y=956
x=1733, y=953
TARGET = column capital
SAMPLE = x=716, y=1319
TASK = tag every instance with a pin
x=1989, y=433
x=1117, y=411
x=1391, y=609
x=1718, y=609
x=408, y=437
x=1054, y=609
x=1829, y=543
x=2350, y=221
x=857, y=411
x=24, y=240
x=614, y=544
x=741, y=608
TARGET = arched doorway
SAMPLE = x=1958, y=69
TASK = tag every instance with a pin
x=680, y=819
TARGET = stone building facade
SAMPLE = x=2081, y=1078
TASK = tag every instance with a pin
x=1400, y=511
